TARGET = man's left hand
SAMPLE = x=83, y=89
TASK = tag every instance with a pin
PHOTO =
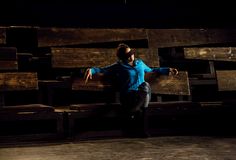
x=174, y=71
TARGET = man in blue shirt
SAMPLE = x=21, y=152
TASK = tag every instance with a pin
x=129, y=73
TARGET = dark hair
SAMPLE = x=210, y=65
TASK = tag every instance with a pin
x=122, y=51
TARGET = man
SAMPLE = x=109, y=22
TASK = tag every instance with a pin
x=135, y=93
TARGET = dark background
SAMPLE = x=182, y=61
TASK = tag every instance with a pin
x=119, y=13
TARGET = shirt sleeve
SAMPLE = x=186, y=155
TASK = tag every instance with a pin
x=105, y=69
x=160, y=70
x=146, y=68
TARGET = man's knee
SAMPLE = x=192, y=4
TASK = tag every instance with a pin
x=145, y=87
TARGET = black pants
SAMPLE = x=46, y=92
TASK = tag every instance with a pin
x=134, y=105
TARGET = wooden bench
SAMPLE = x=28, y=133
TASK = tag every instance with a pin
x=88, y=120
x=14, y=118
x=159, y=84
x=80, y=58
x=74, y=58
x=72, y=61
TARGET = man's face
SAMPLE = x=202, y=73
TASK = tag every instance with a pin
x=131, y=57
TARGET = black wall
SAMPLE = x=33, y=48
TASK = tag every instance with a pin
x=119, y=13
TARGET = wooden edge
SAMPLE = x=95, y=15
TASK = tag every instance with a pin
x=174, y=85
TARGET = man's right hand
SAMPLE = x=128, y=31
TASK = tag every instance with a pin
x=174, y=71
x=88, y=75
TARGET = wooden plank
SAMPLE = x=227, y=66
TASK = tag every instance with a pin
x=97, y=83
x=8, y=58
x=171, y=85
x=211, y=53
x=160, y=38
x=2, y=35
x=8, y=65
x=226, y=80
x=89, y=57
x=13, y=81
x=26, y=108
x=49, y=37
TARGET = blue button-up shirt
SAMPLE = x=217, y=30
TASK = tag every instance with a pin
x=129, y=77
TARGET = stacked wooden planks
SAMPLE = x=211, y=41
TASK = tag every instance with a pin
x=12, y=80
x=72, y=50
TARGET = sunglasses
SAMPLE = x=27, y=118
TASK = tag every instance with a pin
x=131, y=52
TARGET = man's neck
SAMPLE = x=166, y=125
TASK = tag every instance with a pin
x=131, y=63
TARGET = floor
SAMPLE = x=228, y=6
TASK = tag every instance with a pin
x=154, y=148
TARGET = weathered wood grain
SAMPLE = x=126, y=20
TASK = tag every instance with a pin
x=8, y=58
x=226, y=80
x=2, y=35
x=89, y=57
x=8, y=65
x=160, y=38
x=97, y=83
x=13, y=81
x=170, y=85
x=211, y=53
x=49, y=37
